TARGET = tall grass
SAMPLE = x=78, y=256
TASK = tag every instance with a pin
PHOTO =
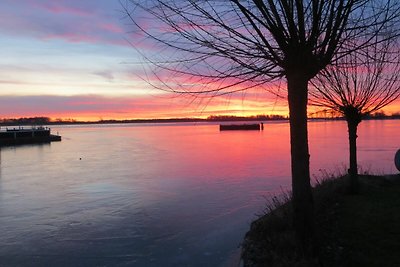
x=271, y=240
x=350, y=230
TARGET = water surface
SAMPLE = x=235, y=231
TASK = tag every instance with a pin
x=158, y=195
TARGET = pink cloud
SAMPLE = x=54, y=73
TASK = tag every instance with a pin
x=72, y=21
x=57, y=9
x=111, y=27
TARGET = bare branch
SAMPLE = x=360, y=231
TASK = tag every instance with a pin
x=366, y=81
x=256, y=38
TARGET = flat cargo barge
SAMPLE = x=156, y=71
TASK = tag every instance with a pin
x=234, y=127
x=20, y=136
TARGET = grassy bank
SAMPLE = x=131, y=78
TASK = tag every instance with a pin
x=351, y=230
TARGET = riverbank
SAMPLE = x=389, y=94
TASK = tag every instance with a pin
x=351, y=230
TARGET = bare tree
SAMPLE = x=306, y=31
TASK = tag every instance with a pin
x=357, y=85
x=215, y=47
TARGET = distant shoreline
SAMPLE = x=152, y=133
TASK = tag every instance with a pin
x=260, y=118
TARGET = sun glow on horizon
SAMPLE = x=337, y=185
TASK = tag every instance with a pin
x=182, y=112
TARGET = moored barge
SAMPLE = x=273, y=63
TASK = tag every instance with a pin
x=233, y=127
x=20, y=136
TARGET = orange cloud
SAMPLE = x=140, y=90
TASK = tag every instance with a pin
x=95, y=107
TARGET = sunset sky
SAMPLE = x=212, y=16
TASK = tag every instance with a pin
x=72, y=59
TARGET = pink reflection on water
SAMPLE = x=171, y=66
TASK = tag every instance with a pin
x=147, y=190
x=377, y=143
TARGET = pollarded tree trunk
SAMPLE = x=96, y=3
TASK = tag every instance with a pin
x=353, y=170
x=353, y=118
x=303, y=205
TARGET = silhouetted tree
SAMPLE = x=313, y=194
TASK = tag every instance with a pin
x=357, y=85
x=214, y=47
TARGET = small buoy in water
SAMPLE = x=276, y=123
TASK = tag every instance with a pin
x=397, y=159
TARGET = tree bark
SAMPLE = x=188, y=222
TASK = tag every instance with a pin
x=353, y=170
x=303, y=204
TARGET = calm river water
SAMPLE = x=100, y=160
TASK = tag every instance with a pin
x=158, y=195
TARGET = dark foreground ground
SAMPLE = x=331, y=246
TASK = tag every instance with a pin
x=351, y=230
